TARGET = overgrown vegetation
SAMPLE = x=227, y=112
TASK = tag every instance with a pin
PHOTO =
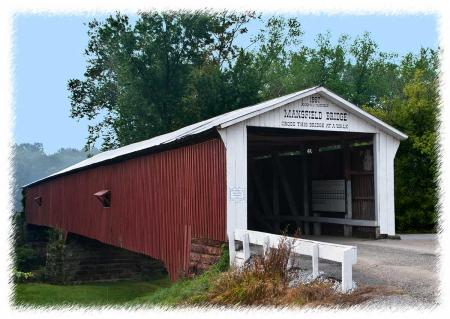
x=171, y=69
x=272, y=280
x=261, y=281
x=191, y=290
x=30, y=246
x=265, y=281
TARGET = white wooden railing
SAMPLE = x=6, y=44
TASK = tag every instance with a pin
x=344, y=254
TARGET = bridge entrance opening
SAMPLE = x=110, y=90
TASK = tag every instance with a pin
x=311, y=182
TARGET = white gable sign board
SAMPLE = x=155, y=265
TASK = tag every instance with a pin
x=314, y=112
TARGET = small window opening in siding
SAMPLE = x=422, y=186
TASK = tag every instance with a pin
x=38, y=200
x=104, y=196
x=329, y=148
x=291, y=153
x=262, y=157
x=362, y=143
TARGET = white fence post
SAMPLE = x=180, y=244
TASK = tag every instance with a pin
x=246, y=247
x=347, y=261
x=344, y=254
x=231, y=248
x=266, y=245
x=315, y=261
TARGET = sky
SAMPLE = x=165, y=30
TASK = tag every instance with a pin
x=49, y=50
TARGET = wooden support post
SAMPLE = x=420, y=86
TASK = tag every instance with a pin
x=315, y=261
x=287, y=189
x=260, y=189
x=347, y=264
x=305, y=187
x=348, y=191
x=276, y=191
x=246, y=247
x=317, y=227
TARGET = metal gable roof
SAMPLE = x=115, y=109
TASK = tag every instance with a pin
x=223, y=121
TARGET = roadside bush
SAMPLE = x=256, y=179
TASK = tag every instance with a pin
x=27, y=259
x=259, y=281
x=224, y=262
x=37, y=275
x=20, y=277
x=26, y=256
x=268, y=281
x=190, y=290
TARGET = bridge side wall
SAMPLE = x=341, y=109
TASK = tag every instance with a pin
x=158, y=202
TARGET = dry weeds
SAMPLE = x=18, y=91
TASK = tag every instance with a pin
x=264, y=281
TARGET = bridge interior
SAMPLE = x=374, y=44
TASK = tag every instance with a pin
x=310, y=182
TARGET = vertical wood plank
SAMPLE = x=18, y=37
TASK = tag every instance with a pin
x=275, y=191
x=348, y=191
x=305, y=188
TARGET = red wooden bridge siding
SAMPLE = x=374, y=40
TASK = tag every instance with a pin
x=158, y=202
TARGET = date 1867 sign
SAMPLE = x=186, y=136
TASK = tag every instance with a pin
x=314, y=112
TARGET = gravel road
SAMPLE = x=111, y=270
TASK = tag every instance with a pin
x=409, y=264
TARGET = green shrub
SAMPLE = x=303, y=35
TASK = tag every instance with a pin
x=224, y=262
x=20, y=277
x=27, y=259
x=190, y=290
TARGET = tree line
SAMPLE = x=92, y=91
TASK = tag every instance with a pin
x=31, y=163
x=166, y=70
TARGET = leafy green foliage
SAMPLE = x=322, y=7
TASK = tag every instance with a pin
x=25, y=257
x=21, y=277
x=171, y=69
x=415, y=111
x=142, y=78
x=224, y=262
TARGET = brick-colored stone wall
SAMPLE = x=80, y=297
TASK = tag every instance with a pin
x=80, y=259
x=204, y=253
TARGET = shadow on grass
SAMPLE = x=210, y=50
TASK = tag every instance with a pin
x=92, y=294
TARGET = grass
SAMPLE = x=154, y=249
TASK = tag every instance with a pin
x=95, y=294
x=156, y=291
x=262, y=282
x=188, y=290
x=184, y=291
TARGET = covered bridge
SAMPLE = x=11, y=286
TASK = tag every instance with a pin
x=309, y=160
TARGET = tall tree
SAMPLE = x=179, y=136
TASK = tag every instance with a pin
x=140, y=77
x=171, y=69
x=415, y=111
